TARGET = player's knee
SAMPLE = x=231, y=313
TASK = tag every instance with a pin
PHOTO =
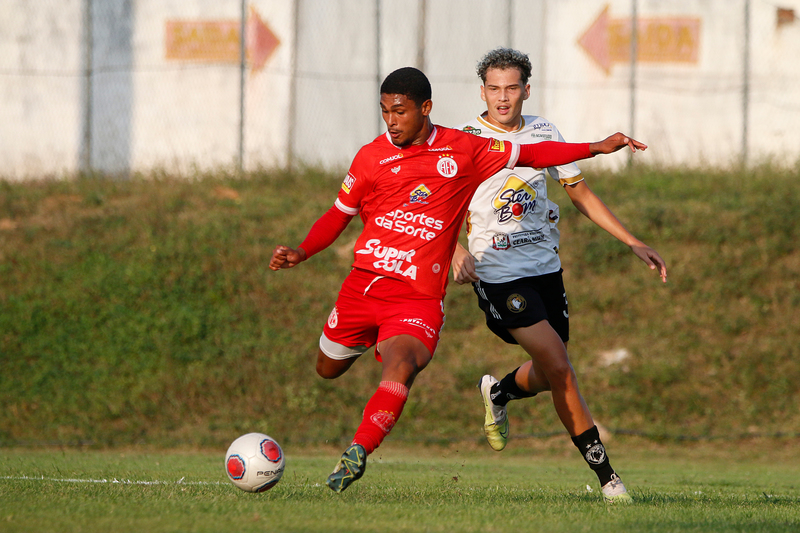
x=324, y=372
x=561, y=376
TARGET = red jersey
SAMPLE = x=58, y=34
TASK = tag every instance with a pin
x=413, y=199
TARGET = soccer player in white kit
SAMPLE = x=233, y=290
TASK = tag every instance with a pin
x=515, y=269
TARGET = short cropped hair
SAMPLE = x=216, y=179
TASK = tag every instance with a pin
x=410, y=82
x=505, y=58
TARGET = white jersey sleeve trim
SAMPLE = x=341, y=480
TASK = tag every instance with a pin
x=352, y=211
x=512, y=161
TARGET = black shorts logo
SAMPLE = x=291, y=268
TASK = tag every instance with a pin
x=516, y=303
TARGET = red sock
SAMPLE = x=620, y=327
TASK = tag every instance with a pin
x=380, y=414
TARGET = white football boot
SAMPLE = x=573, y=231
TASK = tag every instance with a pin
x=495, y=423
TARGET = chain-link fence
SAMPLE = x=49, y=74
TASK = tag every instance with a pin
x=133, y=85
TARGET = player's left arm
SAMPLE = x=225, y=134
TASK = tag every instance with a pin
x=588, y=203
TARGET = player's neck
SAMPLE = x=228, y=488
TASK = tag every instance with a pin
x=424, y=134
x=511, y=125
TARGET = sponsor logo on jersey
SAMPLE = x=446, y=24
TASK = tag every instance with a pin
x=500, y=241
x=419, y=195
x=470, y=129
x=390, y=259
x=396, y=169
x=390, y=159
x=418, y=322
x=415, y=224
x=516, y=303
x=552, y=216
x=497, y=146
x=542, y=135
x=348, y=183
x=515, y=199
x=526, y=237
x=447, y=148
x=544, y=126
x=504, y=241
x=447, y=166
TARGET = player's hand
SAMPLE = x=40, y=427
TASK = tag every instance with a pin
x=615, y=142
x=463, y=266
x=651, y=257
x=285, y=257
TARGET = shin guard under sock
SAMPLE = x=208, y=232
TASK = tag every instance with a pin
x=381, y=414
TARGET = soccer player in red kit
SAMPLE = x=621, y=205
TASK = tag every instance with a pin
x=411, y=187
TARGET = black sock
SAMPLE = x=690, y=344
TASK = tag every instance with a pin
x=594, y=453
x=507, y=389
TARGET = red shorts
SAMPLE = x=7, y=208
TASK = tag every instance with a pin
x=371, y=308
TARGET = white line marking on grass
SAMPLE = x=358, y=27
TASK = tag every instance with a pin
x=113, y=481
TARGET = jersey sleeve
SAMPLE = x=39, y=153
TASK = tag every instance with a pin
x=325, y=230
x=568, y=174
x=492, y=155
x=551, y=154
x=356, y=185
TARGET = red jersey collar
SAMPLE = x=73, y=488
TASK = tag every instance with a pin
x=429, y=142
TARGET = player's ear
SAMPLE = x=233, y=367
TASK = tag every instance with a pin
x=427, y=107
x=483, y=93
x=527, y=91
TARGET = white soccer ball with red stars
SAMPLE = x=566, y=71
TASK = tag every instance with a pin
x=254, y=462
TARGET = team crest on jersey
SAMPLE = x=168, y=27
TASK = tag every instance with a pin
x=420, y=194
x=515, y=199
x=447, y=166
x=516, y=303
x=333, y=318
x=470, y=129
x=500, y=241
x=348, y=183
x=497, y=146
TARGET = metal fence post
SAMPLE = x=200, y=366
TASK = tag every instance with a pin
x=634, y=53
x=242, y=79
x=746, y=83
x=85, y=164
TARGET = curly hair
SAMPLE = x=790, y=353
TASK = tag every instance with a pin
x=505, y=58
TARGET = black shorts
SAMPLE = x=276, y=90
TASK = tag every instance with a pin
x=524, y=302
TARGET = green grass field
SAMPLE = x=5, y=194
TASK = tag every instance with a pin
x=532, y=486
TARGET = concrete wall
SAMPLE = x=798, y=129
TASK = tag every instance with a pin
x=106, y=85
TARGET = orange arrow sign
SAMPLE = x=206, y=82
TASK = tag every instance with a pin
x=660, y=40
x=218, y=41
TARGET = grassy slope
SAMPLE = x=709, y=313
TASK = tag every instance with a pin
x=144, y=311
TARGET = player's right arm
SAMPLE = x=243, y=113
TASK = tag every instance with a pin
x=322, y=234
x=330, y=225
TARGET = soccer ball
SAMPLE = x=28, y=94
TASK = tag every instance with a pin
x=254, y=462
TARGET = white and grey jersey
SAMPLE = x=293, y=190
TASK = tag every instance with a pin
x=512, y=225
